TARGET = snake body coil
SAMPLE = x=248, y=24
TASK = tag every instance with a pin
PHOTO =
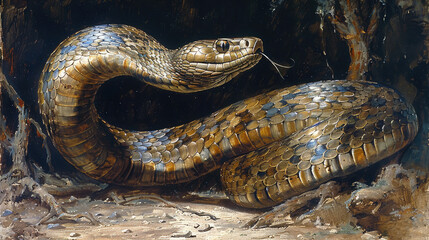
x=270, y=147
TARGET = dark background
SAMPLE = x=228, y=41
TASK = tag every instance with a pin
x=289, y=29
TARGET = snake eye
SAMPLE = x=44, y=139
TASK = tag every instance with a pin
x=222, y=46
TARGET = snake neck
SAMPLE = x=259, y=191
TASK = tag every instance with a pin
x=70, y=80
x=67, y=88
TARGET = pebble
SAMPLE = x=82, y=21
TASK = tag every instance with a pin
x=72, y=199
x=196, y=225
x=73, y=234
x=158, y=212
x=183, y=235
x=139, y=217
x=373, y=235
x=114, y=215
x=6, y=212
x=126, y=230
x=54, y=226
x=162, y=221
x=322, y=227
x=333, y=231
x=318, y=221
x=205, y=228
x=166, y=215
x=306, y=221
x=98, y=214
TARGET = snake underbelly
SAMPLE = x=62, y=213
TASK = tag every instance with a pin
x=270, y=147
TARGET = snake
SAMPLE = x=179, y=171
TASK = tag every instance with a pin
x=268, y=148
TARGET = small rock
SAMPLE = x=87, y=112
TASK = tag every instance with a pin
x=98, y=214
x=162, y=221
x=166, y=215
x=370, y=236
x=183, y=235
x=6, y=212
x=139, y=217
x=205, y=228
x=333, y=231
x=145, y=222
x=318, y=221
x=73, y=234
x=114, y=215
x=322, y=227
x=72, y=199
x=126, y=231
x=158, y=212
x=196, y=225
x=54, y=226
x=306, y=221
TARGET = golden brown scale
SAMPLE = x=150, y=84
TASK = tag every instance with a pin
x=270, y=147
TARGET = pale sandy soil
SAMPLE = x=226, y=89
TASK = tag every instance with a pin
x=397, y=210
x=151, y=220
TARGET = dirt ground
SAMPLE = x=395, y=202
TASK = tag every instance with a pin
x=152, y=220
x=396, y=206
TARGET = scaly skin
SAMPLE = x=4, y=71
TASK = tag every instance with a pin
x=270, y=147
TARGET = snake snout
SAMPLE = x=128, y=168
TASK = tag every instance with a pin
x=258, y=46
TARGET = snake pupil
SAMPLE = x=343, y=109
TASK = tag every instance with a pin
x=225, y=46
x=222, y=46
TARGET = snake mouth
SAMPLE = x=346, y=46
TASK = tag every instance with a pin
x=258, y=47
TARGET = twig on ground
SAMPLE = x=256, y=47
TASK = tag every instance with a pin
x=19, y=177
x=160, y=199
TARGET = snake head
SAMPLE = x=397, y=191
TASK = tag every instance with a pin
x=210, y=63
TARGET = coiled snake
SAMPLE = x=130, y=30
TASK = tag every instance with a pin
x=269, y=147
